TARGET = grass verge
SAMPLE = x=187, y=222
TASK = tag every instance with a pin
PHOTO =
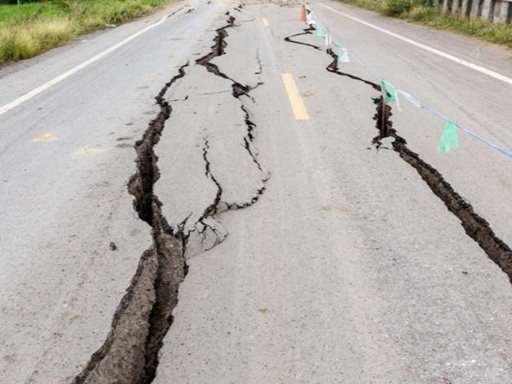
x=423, y=12
x=33, y=28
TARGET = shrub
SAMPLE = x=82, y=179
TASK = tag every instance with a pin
x=421, y=13
x=397, y=7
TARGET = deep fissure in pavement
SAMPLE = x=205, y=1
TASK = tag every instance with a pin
x=476, y=227
x=169, y=246
x=130, y=351
x=307, y=31
x=129, y=355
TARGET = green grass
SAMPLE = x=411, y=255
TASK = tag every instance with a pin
x=12, y=14
x=421, y=12
x=30, y=29
x=372, y=5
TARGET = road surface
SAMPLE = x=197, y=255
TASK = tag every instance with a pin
x=194, y=198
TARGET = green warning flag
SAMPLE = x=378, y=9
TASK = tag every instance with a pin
x=338, y=51
x=388, y=90
x=342, y=54
x=449, y=138
x=320, y=32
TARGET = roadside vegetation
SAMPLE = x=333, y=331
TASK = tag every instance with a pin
x=34, y=27
x=424, y=12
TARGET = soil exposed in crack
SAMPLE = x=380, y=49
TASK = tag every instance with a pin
x=130, y=351
x=169, y=247
x=142, y=182
x=476, y=227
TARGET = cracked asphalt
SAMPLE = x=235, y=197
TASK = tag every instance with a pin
x=176, y=213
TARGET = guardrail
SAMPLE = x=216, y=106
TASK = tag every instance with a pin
x=497, y=11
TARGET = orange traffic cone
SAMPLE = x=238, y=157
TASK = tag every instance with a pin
x=303, y=12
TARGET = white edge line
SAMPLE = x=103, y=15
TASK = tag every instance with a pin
x=447, y=56
x=29, y=95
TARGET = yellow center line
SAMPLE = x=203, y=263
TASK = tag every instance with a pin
x=265, y=22
x=48, y=136
x=298, y=107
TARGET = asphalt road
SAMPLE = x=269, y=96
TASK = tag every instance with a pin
x=270, y=240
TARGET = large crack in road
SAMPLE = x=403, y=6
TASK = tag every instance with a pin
x=130, y=351
x=129, y=355
x=475, y=226
x=239, y=90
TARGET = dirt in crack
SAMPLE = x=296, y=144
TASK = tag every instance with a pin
x=130, y=351
x=476, y=227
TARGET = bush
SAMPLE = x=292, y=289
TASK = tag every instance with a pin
x=397, y=7
x=422, y=13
